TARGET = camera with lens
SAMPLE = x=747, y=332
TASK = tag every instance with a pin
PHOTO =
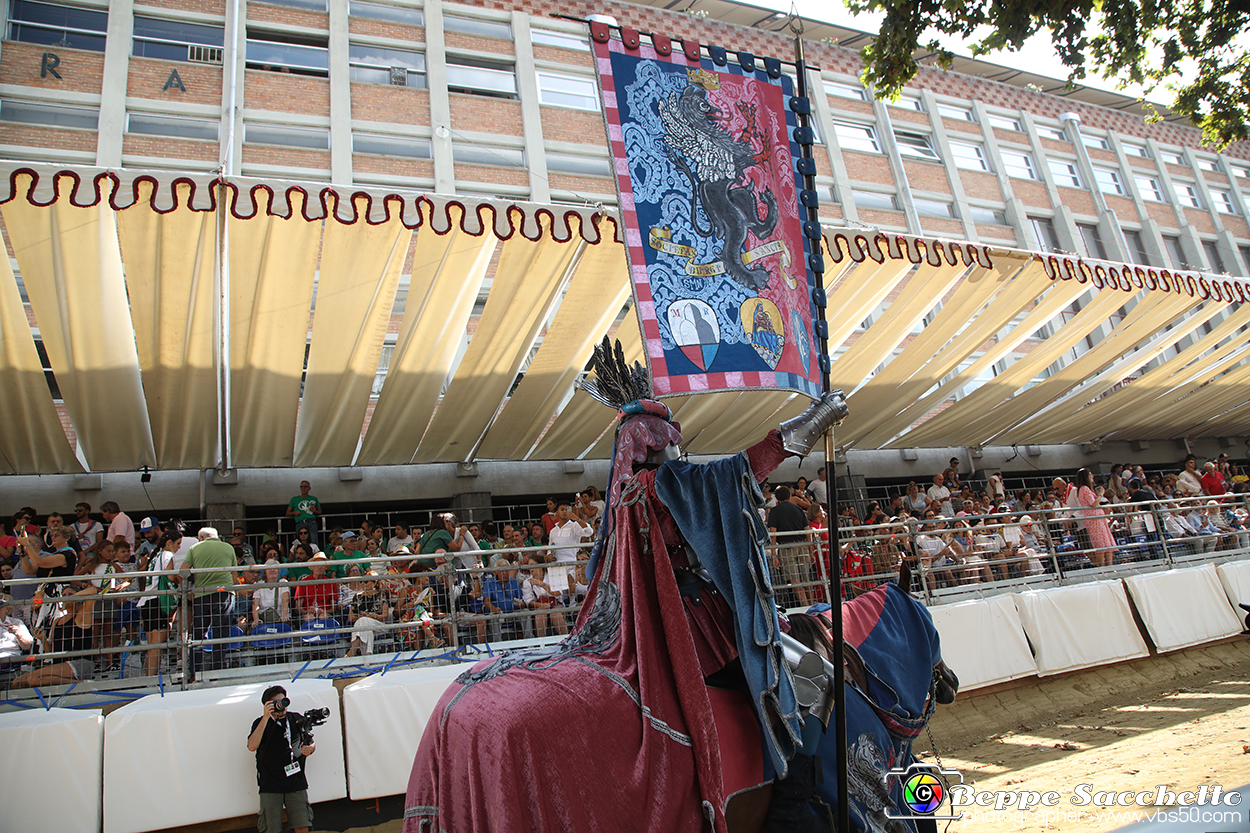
x=304, y=722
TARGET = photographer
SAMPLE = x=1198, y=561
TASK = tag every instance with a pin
x=282, y=745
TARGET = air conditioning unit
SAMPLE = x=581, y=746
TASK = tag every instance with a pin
x=204, y=54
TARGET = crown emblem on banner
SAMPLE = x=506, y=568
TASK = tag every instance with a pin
x=703, y=78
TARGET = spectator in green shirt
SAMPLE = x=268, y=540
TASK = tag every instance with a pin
x=304, y=508
x=349, y=552
x=213, y=599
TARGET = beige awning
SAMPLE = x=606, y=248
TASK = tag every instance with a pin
x=938, y=343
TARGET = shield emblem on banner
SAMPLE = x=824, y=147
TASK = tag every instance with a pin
x=695, y=330
x=763, y=325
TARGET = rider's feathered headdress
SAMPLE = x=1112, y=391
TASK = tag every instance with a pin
x=616, y=384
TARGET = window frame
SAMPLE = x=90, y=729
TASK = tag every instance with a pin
x=493, y=156
x=413, y=72
x=600, y=166
x=979, y=156
x=1072, y=177
x=559, y=39
x=593, y=103
x=1222, y=201
x=844, y=144
x=935, y=209
x=298, y=129
x=68, y=110
x=262, y=36
x=478, y=27
x=1109, y=181
x=1135, y=150
x=1136, y=247
x=354, y=7
x=1095, y=142
x=1150, y=188
x=15, y=23
x=1187, y=194
x=1030, y=165
x=956, y=112
x=392, y=137
x=1050, y=242
x=162, y=117
x=1055, y=134
x=186, y=44
x=1004, y=123
x=865, y=199
x=840, y=89
x=914, y=145
x=1171, y=157
x=502, y=67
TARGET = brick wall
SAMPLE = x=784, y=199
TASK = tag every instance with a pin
x=1162, y=214
x=81, y=71
x=47, y=137
x=393, y=105
x=202, y=6
x=484, y=114
x=1003, y=234
x=939, y=227
x=1030, y=193
x=874, y=217
x=1078, y=200
x=1124, y=207
x=284, y=92
x=286, y=157
x=163, y=146
x=980, y=186
x=487, y=173
x=392, y=166
x=570, y=57
x=582, y=184
x=148, y=76
x=1200, y=219
x=385, y=29
x=1237, y=226
x=561, y=124
x=459, y=40
x=867, y=167
x=261, y=13
x=928, y=176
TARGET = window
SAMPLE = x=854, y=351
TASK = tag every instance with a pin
x=568, y=91
x=874, y=199
x=1208, y=164
x=286, y=52
x=1136, y=248
x=1053, y=133
x=1019, y=165
x=383, y=65
x=909, y=102
x=987, y=215
x=315, y=138
x=1223, y=201
x=969, y=157
x=477, y=26
x=172, y=40
x=1238, y=170
x=64, y=26
x=566, y=163
x=1134, y=149
x=1109, y=181
x=54, y=115
x=915, y=146
x=839, y=90
x=952, y=111
x=310, y=5
x=1149, y=188
x=856, y=137
x=1171, y=158
x=1175, y=252
x=564, y=40
x=150, y=124
x=470, y=154
x=1044, y=232
x=1187, y=194
x=382, y=145
x=1095, y=142
x=1004, y=123
x=387, y=12
x=46, y=364
x=1065, y=173
x=1092, y=240
x=934, y=208
x=489, y=78
x=1213, y=256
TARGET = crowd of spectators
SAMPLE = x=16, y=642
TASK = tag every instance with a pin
x=122, y=584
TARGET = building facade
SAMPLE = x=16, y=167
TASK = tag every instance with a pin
x=499, y=100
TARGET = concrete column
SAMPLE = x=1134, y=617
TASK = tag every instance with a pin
x=823, y=116
x=1065, y=225
x=941, y=143
x=885, y=134
x=1016, y=211
x=121, y=29
x=224, y=517
x=440, y=99
x=531, y=112
x=1152, y=238
x=340, y=96
x=233, y=72
x=472, y=507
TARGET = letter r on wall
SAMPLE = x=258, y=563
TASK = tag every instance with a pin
x=49, y=63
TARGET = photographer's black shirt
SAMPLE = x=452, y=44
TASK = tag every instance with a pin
x=274, y=755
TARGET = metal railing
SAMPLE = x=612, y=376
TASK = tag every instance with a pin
x=93, y=635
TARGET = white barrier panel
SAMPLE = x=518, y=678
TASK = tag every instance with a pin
x=50, y=770
x=1079, y=626
x=1235, y=576
x=186, y=754
x=1183, y=607
x=384, y=718
x=983, y=641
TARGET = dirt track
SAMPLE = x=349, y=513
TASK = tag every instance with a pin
x=1179, y=720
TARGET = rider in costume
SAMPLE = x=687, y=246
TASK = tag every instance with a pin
x=679, y=558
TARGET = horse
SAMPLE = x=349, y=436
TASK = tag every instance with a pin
x=513, y=746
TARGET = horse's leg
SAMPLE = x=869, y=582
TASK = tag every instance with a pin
x=747, y=811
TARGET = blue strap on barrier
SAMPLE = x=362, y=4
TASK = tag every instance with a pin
x=58, y=700
x=39, y=694
x=160, y=683
x=301, y=671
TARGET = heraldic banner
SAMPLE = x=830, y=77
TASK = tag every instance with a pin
x=704, y=153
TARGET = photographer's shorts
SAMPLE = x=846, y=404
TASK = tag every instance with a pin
x=299, y=812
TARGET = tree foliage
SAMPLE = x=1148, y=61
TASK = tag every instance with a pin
x=1196, y=50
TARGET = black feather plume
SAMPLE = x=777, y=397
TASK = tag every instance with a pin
x=616, y=383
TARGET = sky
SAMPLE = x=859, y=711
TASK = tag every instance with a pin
x=1038, y=55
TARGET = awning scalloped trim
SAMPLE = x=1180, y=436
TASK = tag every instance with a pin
x=1132, y=278
x=881, y=247
x=123, y=189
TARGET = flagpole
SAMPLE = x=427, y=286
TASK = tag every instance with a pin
x=833, y=576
